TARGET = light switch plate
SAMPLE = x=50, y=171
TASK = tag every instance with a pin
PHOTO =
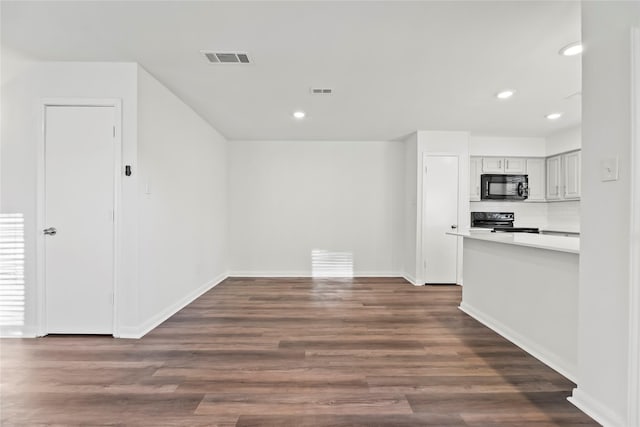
x=609, y=169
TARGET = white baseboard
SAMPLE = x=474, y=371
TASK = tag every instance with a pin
x=594, y=409
x=376, y=274
x=308, y=274
x=157, y=319
x=411, y=280
x=269, y=274
x=551, y=360
x=17, y=332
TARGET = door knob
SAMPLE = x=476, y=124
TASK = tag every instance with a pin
x=454, y=226
x=51, y=231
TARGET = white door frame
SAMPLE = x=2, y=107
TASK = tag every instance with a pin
x=41, y=293
x=633, y=417
x=420, y=254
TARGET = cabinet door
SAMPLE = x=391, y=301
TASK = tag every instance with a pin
x=571, y=175
x=535, y=170
x=475, y=170
x=553, y=177
x=492, y=165
x=514, y=165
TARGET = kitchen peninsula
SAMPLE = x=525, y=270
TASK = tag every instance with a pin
x=525, y=287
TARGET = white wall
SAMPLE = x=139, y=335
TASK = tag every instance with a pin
x=564, y=216
x=634, y=320
x=13, y=64
x=289, y=198
x=499, y=146
x=182, y=223
x=182, y=187
x=605, y=245
x=563, y=141
x=22, y=95
x=410, y=222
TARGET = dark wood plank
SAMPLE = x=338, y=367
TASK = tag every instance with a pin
x=290, y=352
x=314, y=402
x=410, y=420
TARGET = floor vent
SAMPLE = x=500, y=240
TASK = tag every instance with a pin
x=321, y=91
x=226, y=57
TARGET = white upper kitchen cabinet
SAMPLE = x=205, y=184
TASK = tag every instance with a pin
x=503, y=165
x=553, y=177
x=492, y=165
x=571, y=175
x=536, y=171
x=563, y=176
x=514, y=165
x=474, y=178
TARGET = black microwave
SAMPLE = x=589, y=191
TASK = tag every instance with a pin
x=504, y=187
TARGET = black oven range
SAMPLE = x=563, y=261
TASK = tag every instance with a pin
x=499, y=222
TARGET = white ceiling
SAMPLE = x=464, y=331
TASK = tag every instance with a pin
x=395, y=67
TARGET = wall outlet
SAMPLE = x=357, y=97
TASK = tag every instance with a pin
x=609, y=169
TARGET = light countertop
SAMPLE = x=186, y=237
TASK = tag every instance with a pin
x=553, y=228
x=540, y=241
x=561, y=230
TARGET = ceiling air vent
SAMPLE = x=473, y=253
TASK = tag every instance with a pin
x=226, y=57
x=321, y=91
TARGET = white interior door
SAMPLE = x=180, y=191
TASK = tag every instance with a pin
x=79, y=205
x=440, y=215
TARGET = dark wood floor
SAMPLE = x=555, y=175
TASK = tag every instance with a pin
x=291, y=352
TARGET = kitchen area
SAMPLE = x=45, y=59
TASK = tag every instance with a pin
x=520, y=254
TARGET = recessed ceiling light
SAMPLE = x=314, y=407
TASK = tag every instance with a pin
x=505, y=94
x=571, y=49
x=553, y=116
x=299, y=114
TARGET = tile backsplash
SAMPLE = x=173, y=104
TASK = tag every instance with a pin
x=564, y=215
x=552, y=215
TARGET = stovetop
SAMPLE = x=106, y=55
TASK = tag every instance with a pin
x=499, y=222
